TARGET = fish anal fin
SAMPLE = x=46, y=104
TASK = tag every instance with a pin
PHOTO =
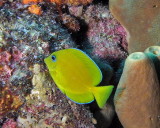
x=101, y=94
x=80, y=98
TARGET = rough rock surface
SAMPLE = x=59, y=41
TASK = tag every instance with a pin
x=137, y=98
x=141, y=20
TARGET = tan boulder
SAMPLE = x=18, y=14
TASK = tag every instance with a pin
x=137, y=98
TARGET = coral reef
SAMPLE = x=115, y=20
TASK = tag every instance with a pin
x=31, y=1
x=138, y=93
x=141, y=20
x=70, y=22
x=35, y=9
x=49, y=107
x=60, y=2
x=105, y=40
x=105, y=35
x=25, y=43
x=26, y=39
x=9, y=101
x=10, y=123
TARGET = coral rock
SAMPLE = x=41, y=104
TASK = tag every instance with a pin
x=59, y=2
x=35, y=9
x=141, y=20
x=107, y=38
x=72, y=2
x=137, y=98
x=8, y=101
x=10, y=123
x=31, y=1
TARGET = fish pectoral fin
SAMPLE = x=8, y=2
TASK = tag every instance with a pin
x=80, y=98
x=101, y=94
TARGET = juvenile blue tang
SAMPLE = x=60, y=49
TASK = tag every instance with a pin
x=77, y=76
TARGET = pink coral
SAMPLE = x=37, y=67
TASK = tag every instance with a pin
x=10, y=123
x=16, y=54
x=106, y=36
x=5, y=57
x=8, y=60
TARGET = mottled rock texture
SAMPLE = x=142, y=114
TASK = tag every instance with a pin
x=141, y=20
x=137, y=98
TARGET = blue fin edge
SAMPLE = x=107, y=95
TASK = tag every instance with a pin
x=79, y=103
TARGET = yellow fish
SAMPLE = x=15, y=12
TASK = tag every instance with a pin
x=77, y=76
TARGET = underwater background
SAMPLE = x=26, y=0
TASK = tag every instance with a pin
x=121, y=36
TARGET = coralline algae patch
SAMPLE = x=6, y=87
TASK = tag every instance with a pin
x=60, y=2
x=10, y=123
x=9, y=101
x=8, y=60
x=106, y=36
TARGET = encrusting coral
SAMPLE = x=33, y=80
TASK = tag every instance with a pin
x=31, y=1
x=140, y=19
x=69, y=21
x=35, y=9
x=138, y=93
x=8, y=101
x=60, y=2
x=106, y=37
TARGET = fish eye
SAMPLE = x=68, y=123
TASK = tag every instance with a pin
x=53, y=58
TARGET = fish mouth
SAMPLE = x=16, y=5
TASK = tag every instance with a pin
x=45, y=61
x=49, y=65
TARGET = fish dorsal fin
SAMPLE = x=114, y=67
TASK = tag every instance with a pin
x=89, y=64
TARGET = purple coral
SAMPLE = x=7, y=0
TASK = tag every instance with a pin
x=106, y=36
x=5, y=69
x=10, y=123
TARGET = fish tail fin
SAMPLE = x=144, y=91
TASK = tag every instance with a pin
x=101, y=94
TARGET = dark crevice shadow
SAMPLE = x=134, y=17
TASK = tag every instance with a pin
x=80, y=37
x=104, y=2
x=116, y=123
x=156, y=63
